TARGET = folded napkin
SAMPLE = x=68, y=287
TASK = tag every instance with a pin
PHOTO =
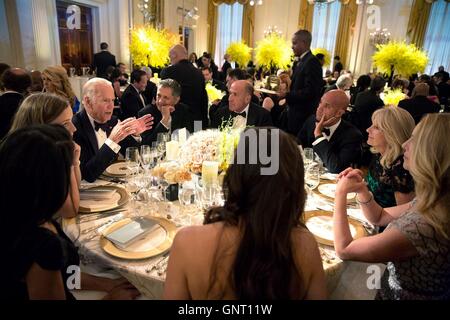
x=97, y=194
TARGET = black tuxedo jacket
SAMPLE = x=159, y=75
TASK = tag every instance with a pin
x=9, y=104
x=419, y=106
x=257, y=117
x=150, y=92
x=304, y=96
x=193, y=91
x=102, y=60
x=366, y=103
x=219, y=85
x=94, y=160
x=342, y=151
x=226, y=65
x=131, y=103
x=181, y=118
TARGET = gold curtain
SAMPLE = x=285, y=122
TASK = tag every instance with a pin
x=212, y=24
x=248, y=24
x=347, y=20
x=418, y=21
x=305, y=18
x=219, y=2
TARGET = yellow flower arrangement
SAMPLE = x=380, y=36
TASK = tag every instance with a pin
x=213, y=93
x=240, y=53
x=323, y=51
x=149, y=46
x=273, y=52
x=393, y=97
x=406, y=59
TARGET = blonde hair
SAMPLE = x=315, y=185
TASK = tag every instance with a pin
x=397, y=126
x=39, y=108
x=430, y=170
x=58, y=77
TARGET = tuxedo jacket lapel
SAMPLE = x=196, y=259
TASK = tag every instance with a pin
x=87, y=127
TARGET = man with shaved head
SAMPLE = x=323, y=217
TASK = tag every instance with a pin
x=193, y=92
x=241, y=109
x=419, y=105
x=337, y=142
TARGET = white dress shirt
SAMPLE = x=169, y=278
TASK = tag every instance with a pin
x=239, y=121
x=324, y=136
x=102, y=138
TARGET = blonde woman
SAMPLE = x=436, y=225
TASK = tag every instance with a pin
x=416, y=241
x=56, y=81
x=389, y=182
x=47, y=108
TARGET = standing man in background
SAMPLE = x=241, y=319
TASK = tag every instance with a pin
x=102, y=60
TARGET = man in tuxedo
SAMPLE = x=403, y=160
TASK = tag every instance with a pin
x=226, y=65
x=150, y=90
x=307, y=82
x=241, y=109
x=419, y=105
x=366, y=103
x=123, y=80
x=337, y=142
x=168, y=113
x=338, y=67
x=132, y=99
x=101, y=135
x=102, y=60
x=16, y=81
x=209, y=63
x=192, y=83
x=207, y=74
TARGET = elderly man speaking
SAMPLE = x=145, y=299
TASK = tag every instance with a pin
x=101, y=135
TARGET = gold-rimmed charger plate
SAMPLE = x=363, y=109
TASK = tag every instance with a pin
x=320, y=224
x=118, y=170
x=91, y=206
x=328, y=191
x=168, y=227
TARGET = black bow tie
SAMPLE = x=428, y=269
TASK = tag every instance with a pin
x=326, y=131
x=104, y=126
x=242, y=114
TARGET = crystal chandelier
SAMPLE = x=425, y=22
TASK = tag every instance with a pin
x=323, y=2
x=379, y=36
x=272, y=30
x=147, y=10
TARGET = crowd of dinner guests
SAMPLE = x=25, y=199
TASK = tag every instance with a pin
x=255, y=246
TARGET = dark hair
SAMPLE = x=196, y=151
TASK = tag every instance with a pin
x=427, y=79
x=377, y=84
x=137, y=75
x=337, y=58
x=207, y=68
x=172, y=84
x=16, y=79
x=305, y=35
x=3, y=68
x=103, y=46
x=207, y=56
x=35, y=164
x=120, y=64
x=115, y=74
x=363, y=82
x=264, y=266
x=320, y=56
x=237, y=74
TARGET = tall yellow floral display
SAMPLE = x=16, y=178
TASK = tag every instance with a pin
x=325, y=52
x=150, y=47
x=273, y=52
x=240, y=53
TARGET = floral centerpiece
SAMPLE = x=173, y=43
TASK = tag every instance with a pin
x=273, y=52
x=210, y=145
x=213, y=93
x=400, y=58
x=393, y=97
x=240, y=53
x=150, y=47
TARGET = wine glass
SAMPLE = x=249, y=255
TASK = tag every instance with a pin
x=146, y=157
x=132, y=159
x=186, y=193
x=312, y=177
x=308, y=156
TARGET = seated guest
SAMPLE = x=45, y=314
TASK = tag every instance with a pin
x=16, y=82
x=444, y=90
x=225, y=67
x=337, y=142
x=100, y=135
x=362, y=84
x=433, y=91
x=278, y=107
x=168, y=113
x=419, y=104
x=233, y=75
x=124, y=76
x=389, y=182
x=207, y=74
x=3, y=68
x=48, y=108
x=150, y=90
x=254, y=247
x=241, y=108
x=37, y=85
x=416, y=241
x=56, y=81
x=193, y=59
x=207, y=62
x=344, y=82
x=366, y=103
x=132, y=99
x=39, y=253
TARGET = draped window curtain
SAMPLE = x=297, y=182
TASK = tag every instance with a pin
x=436, y=38
x=247, y=24
x=347, y=21
x=324, y=27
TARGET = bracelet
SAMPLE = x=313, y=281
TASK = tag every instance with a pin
x=364, y=203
